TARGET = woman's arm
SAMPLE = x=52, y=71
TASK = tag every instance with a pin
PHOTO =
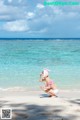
x=40, y=80
x=51, y=86
x=47, y=87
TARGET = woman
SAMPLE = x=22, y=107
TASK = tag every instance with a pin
x=49, y=87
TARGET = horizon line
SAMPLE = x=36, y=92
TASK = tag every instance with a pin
x=37, y=38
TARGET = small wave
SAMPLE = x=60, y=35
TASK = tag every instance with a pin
x=77, y=50
x=14, y=89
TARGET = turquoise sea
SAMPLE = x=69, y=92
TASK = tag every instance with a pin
x=21, y=62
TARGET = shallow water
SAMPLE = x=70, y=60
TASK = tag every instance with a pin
x=21, y=62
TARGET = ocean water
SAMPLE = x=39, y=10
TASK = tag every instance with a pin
x=21, y=62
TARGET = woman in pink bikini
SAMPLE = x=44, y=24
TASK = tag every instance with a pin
x=49, y=87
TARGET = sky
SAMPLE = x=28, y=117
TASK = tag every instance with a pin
x=31, y=19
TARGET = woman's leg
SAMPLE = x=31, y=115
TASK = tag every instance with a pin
x=42, y=88
x=51, y=92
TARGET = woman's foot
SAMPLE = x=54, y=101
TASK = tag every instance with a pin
x=50, y=95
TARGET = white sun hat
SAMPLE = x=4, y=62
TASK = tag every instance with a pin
x=45, y=72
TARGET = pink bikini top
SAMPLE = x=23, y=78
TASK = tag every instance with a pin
x=49, y=83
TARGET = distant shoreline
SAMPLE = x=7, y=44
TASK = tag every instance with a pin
x=39, y=38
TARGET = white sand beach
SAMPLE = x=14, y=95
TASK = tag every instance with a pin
x=36, y=105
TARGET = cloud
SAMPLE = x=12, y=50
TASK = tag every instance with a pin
x=9, y=1
x=30, y=15
x=72, y=14
x=20, y=1
x=3, y=17
x=57, y=11
x=39, y=31
x=11, y=12
x=40, y=6
x=16, y=26
x=20, y=16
